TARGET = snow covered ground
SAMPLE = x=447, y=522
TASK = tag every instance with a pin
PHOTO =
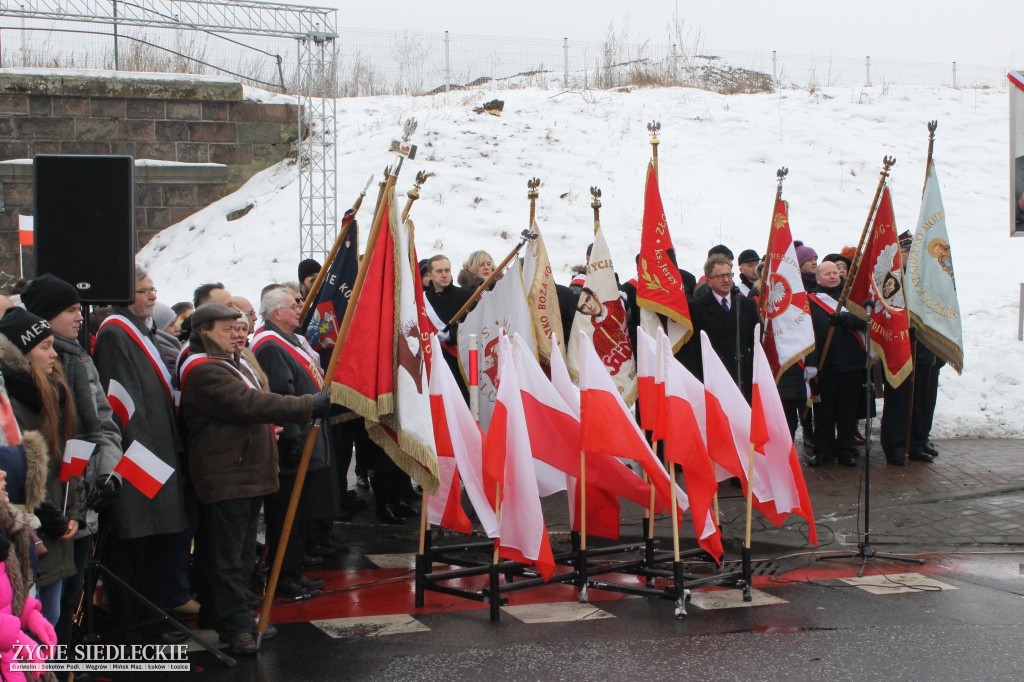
x=718, y=159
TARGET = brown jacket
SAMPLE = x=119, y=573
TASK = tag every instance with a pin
x=231, y=445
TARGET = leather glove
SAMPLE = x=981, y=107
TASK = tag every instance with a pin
x=836, y=320
x=105, y=494
x=321, y=406
x=52, y=521
x=810, y=373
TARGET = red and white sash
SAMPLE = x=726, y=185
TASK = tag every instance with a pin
x=148, y=347
x=829, y=305
x=196, y=359
x=311, y=366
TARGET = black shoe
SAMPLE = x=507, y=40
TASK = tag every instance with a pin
x=930, y=449
x=321, y=550
x=386, y=514
x=243, y=644
x=335, y=544
x=817, y=460
x=292, y=590
x=920, y=456
x=402, y=509
x=351, y=503
x=896, y=462
x=310, y=561
x=848, y=461
x=362, y=482
x=312, y=584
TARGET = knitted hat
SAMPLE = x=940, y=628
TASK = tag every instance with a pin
x=837, y=258
x=24, y=329
x=48, y=296
x=748, y=256
x=206, y=314
x=163, y=315
x=804, y=253
x=906, y=239
x=308, y=267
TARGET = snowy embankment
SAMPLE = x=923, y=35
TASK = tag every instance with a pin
x=718, y=158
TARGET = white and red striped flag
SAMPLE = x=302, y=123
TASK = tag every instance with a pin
x=26, y=230
x=120, y=402
x=76, y=457
x=144, y=470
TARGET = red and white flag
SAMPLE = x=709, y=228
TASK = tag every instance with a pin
x=788, y=332
x=659, y=288
x=649, y=394
x=76, y=457
x=769, y=431
x=601, y=318
x=685, y=445
x=508, y=468
x=879, y=278
x=144, y=470
x=26, y=230
x=120, y=402
x=459, y=445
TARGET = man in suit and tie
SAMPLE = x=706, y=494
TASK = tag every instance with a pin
x=717, y=314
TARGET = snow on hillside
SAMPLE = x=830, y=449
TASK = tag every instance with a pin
x=718, y=159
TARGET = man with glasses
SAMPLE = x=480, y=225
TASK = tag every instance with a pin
x=717, y=314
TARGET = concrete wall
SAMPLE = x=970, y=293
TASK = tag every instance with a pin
x=217, y=139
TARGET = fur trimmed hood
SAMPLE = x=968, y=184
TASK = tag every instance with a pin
x=12, y=359
x=37, y=458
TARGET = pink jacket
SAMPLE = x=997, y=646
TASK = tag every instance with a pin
x=15, y=629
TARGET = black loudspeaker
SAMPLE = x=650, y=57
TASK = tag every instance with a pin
x=85, y=224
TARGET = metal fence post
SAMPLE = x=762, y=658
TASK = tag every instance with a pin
x=867, y=68
x=775, y=66
x=954, y=74
x=1020, y=315
x=447, y=63
x=565, y=62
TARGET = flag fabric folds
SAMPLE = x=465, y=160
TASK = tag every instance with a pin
x=659, y=289
x=879, y=278
x=120, y=402
x=788, y=332
x=930, y=284
x=542, y=298
x=144, y=470
x=76, y=456
x=26, y=230
x=328, y=310
x=601, y=318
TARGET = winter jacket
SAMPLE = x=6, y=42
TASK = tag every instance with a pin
x=845, y=352
x=15, y=624
x=229, y=426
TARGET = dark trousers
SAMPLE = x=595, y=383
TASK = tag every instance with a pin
x=176, y=589
x=894, y=411
x=72, y=591
x=230, y=533
x=835, y=417
x=140, y=563
x=276, y=506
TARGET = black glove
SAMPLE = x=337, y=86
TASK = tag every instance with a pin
x=105, y=494
x=837, y=320
x=52, y=521
x=321, y=406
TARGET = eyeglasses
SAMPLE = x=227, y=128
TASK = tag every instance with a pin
x=294, y=306
x=724, y=275
x=146, y=292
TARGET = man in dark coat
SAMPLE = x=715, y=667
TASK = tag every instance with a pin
x=126, y=353
x=233, y=460
x=717, y=314
x=447, y=299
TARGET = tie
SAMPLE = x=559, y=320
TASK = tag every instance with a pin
x=725, y=304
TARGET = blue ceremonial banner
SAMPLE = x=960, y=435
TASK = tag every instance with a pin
x=930, y=285
x=331, y=300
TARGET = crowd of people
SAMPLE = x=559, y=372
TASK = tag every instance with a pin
x=224, y=394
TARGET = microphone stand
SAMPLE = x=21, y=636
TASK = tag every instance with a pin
x=865, y=551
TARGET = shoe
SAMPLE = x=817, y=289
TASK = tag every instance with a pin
x=930, y=449
x=817, y=460
x=189, y=608
x=896, y=462
x=268, y=634
x=362, y=482
x=858, y=438
x=350, y=502
x=312, y=584
x=848, y=461
x=920, y=456
x=386, y=514
x=310, y=561
x=292, y=590
x=243, y=644
x=321, y=550
x=403, y=509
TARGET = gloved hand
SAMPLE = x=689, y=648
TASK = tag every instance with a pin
x=105, y=494
x=52, y=521
x=810, y=373
x=836, y=320
x=321, y=406
x=40, y=628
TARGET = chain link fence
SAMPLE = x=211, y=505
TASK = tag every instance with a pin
x=385, y=62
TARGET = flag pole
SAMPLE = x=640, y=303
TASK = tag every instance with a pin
x=581, y=562
x=780, y=175
x=346, y=222
x=533, y=187
x=414, y=193
x=750, y=517
x=524, y=237
x=307, y=452
x=887, y=164
x=654, y=127
x=595, y=204
x=474, y=379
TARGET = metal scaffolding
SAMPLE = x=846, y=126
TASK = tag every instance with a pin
x=315, y=29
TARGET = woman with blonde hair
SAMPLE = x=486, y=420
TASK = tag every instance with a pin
x=475, y=270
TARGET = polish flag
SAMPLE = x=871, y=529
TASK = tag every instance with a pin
x=121, y=402
x=26, y=230
x=685, y=445
x=769, y=432
x=76, y=457
x=459, y=455
x=143, y=469
x=608, y=427
x=648, y=393
x=508, y=468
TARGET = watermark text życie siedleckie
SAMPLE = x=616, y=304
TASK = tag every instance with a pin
x=100, y=658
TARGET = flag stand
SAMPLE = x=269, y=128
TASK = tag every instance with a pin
x=865, y=551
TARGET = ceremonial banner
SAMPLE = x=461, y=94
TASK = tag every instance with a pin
x=542, y=297
x=601, y=317
x=332, y=298
x=788, y=333
x=930, y=285
x=880, y=279
x=659, y=288
x=502, y=308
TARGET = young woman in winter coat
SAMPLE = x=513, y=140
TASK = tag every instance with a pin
x=41, y=400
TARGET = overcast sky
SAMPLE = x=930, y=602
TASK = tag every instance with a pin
x=983, y=32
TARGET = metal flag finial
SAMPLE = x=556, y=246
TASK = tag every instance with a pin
x=595, y=193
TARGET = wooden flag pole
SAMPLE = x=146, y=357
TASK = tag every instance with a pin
x=307, y=452
x=595, y=204
x=525, y=237
x=750, y=496
x=654, y=127
x=533, y=187
x=887, y=164
x=346, y=222
x=414, y=193
x=780, y=175
x=675, y=519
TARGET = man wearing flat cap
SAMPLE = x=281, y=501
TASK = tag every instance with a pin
x=747, y=262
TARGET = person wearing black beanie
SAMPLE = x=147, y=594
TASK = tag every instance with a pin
x=46, y=296
x=308, y=270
